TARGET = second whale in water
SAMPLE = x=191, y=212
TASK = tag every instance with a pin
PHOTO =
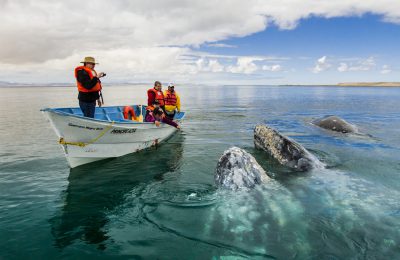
x=336, y=124
x=286, y=151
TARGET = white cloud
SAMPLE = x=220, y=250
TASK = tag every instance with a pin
x=273, y=68
x=359, y=65
x=38, y=30
x=45, y=32
x=343, y=67
x=128, y=64
x=211, y=65
x=386, y=69
x=244, y=65
x=221, y=45
x=367, y=64
x=321, y=65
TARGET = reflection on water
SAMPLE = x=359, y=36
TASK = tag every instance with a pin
x=98, y=188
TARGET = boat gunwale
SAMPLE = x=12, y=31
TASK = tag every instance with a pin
x=62, y=113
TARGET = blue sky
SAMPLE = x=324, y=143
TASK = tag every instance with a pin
x=349, y=36
x=346, y=39
x=203, y=42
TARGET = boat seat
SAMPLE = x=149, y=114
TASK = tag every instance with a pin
x=75, y=111
x=116, y=116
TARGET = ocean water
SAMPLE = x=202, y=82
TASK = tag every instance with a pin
x=163, y=204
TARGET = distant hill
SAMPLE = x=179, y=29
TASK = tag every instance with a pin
x=370, y=84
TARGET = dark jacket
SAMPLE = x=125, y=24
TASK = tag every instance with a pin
x=87, y=83
x=165, y=120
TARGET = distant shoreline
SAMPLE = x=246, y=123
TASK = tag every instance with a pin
x=370, y=84
x=342, y=84
x=351, y=84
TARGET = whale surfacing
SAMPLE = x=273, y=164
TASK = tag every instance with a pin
x=336, y=124
x=283, y=149
x=237, y=169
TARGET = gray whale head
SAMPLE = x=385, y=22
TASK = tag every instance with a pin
x=336, y=124
x=237, y=169
x=283, y=149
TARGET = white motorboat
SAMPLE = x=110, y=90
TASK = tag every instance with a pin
x=107, y=135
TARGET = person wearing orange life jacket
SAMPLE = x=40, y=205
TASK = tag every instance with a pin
x=154, y=94
x=172, y=101
x=89, y=86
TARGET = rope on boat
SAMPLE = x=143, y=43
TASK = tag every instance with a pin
x=82, y=144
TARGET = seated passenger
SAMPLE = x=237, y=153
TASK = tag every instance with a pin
x=151, y=107
x=172, y=101
x=154, y=94
x=157, y=116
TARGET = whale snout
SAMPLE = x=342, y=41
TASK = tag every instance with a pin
x=238, y=169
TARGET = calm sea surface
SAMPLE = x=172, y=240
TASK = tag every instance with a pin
x=162, y=203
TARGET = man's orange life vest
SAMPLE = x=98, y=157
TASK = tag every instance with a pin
x=158, y=96
x=170, y=98
x=96, y=88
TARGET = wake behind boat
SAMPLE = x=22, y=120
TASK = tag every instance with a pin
x=107, y=135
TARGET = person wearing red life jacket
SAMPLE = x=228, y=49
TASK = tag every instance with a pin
x=89, y=86
x=155, y=94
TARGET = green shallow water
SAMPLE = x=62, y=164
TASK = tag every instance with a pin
x=162, y=203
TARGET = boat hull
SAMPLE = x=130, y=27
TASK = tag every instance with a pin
x=85, y=140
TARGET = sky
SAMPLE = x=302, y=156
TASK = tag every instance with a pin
x=201, y=42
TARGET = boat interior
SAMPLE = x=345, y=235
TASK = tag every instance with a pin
x=114, y=113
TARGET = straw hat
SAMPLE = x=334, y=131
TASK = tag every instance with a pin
x=89, y=60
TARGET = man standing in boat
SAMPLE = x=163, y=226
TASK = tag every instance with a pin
x=172, y=101
x=89, y=86
x=155, y=94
